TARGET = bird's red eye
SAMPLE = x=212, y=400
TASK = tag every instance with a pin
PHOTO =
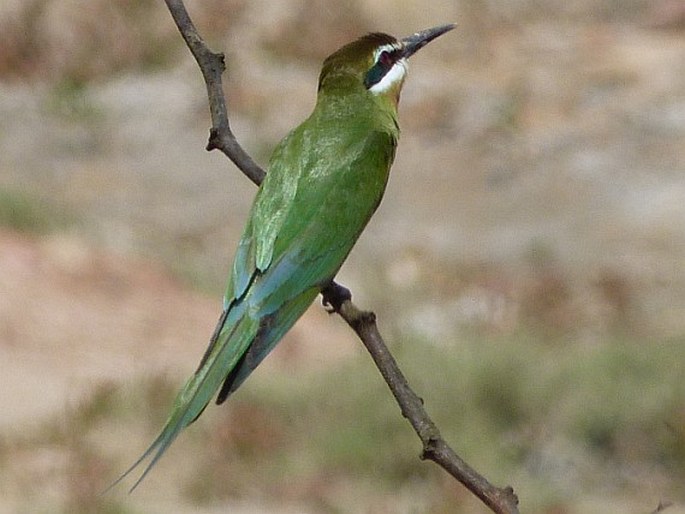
x=385, y=59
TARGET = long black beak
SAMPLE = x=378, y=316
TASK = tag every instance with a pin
x=411, y=44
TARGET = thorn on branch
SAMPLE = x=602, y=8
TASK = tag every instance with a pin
x=214, y=140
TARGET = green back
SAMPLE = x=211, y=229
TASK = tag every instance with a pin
x=325, y=180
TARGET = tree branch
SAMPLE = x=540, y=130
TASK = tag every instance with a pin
x=338, y=298
x=212, y=65
x=434, y=446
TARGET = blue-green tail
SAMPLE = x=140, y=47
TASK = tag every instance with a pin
x=240, y=342
x=231, y=340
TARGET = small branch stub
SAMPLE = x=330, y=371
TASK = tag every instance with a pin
x=428, y=452
x=214, y=140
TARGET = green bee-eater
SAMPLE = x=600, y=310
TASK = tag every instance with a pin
x=325, y=179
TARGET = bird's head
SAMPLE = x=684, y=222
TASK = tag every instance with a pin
x=375, y=63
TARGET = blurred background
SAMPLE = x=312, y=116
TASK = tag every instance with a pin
x=527, y=263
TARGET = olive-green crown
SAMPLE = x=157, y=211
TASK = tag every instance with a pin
x=376, y=62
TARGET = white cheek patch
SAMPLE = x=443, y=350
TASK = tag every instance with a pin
x=394, y=76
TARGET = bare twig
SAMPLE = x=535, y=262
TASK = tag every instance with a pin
x=499, y=500
x=212, y=65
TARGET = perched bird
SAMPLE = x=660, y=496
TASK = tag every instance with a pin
x=325, y=180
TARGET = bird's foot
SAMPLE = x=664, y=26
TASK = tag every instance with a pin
x=334, y=295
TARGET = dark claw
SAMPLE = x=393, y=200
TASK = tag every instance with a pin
x=334, y=295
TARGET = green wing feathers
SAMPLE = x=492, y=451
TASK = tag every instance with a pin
x=307, y=215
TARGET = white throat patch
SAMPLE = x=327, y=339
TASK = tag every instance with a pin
x=395, y=75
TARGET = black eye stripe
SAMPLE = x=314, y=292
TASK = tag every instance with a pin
x=384, y=62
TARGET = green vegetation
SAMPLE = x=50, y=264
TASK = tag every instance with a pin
x=26, y=213
x=69, y=99
x=553, y=420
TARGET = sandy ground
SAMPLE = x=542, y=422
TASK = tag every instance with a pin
x=74, y=317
